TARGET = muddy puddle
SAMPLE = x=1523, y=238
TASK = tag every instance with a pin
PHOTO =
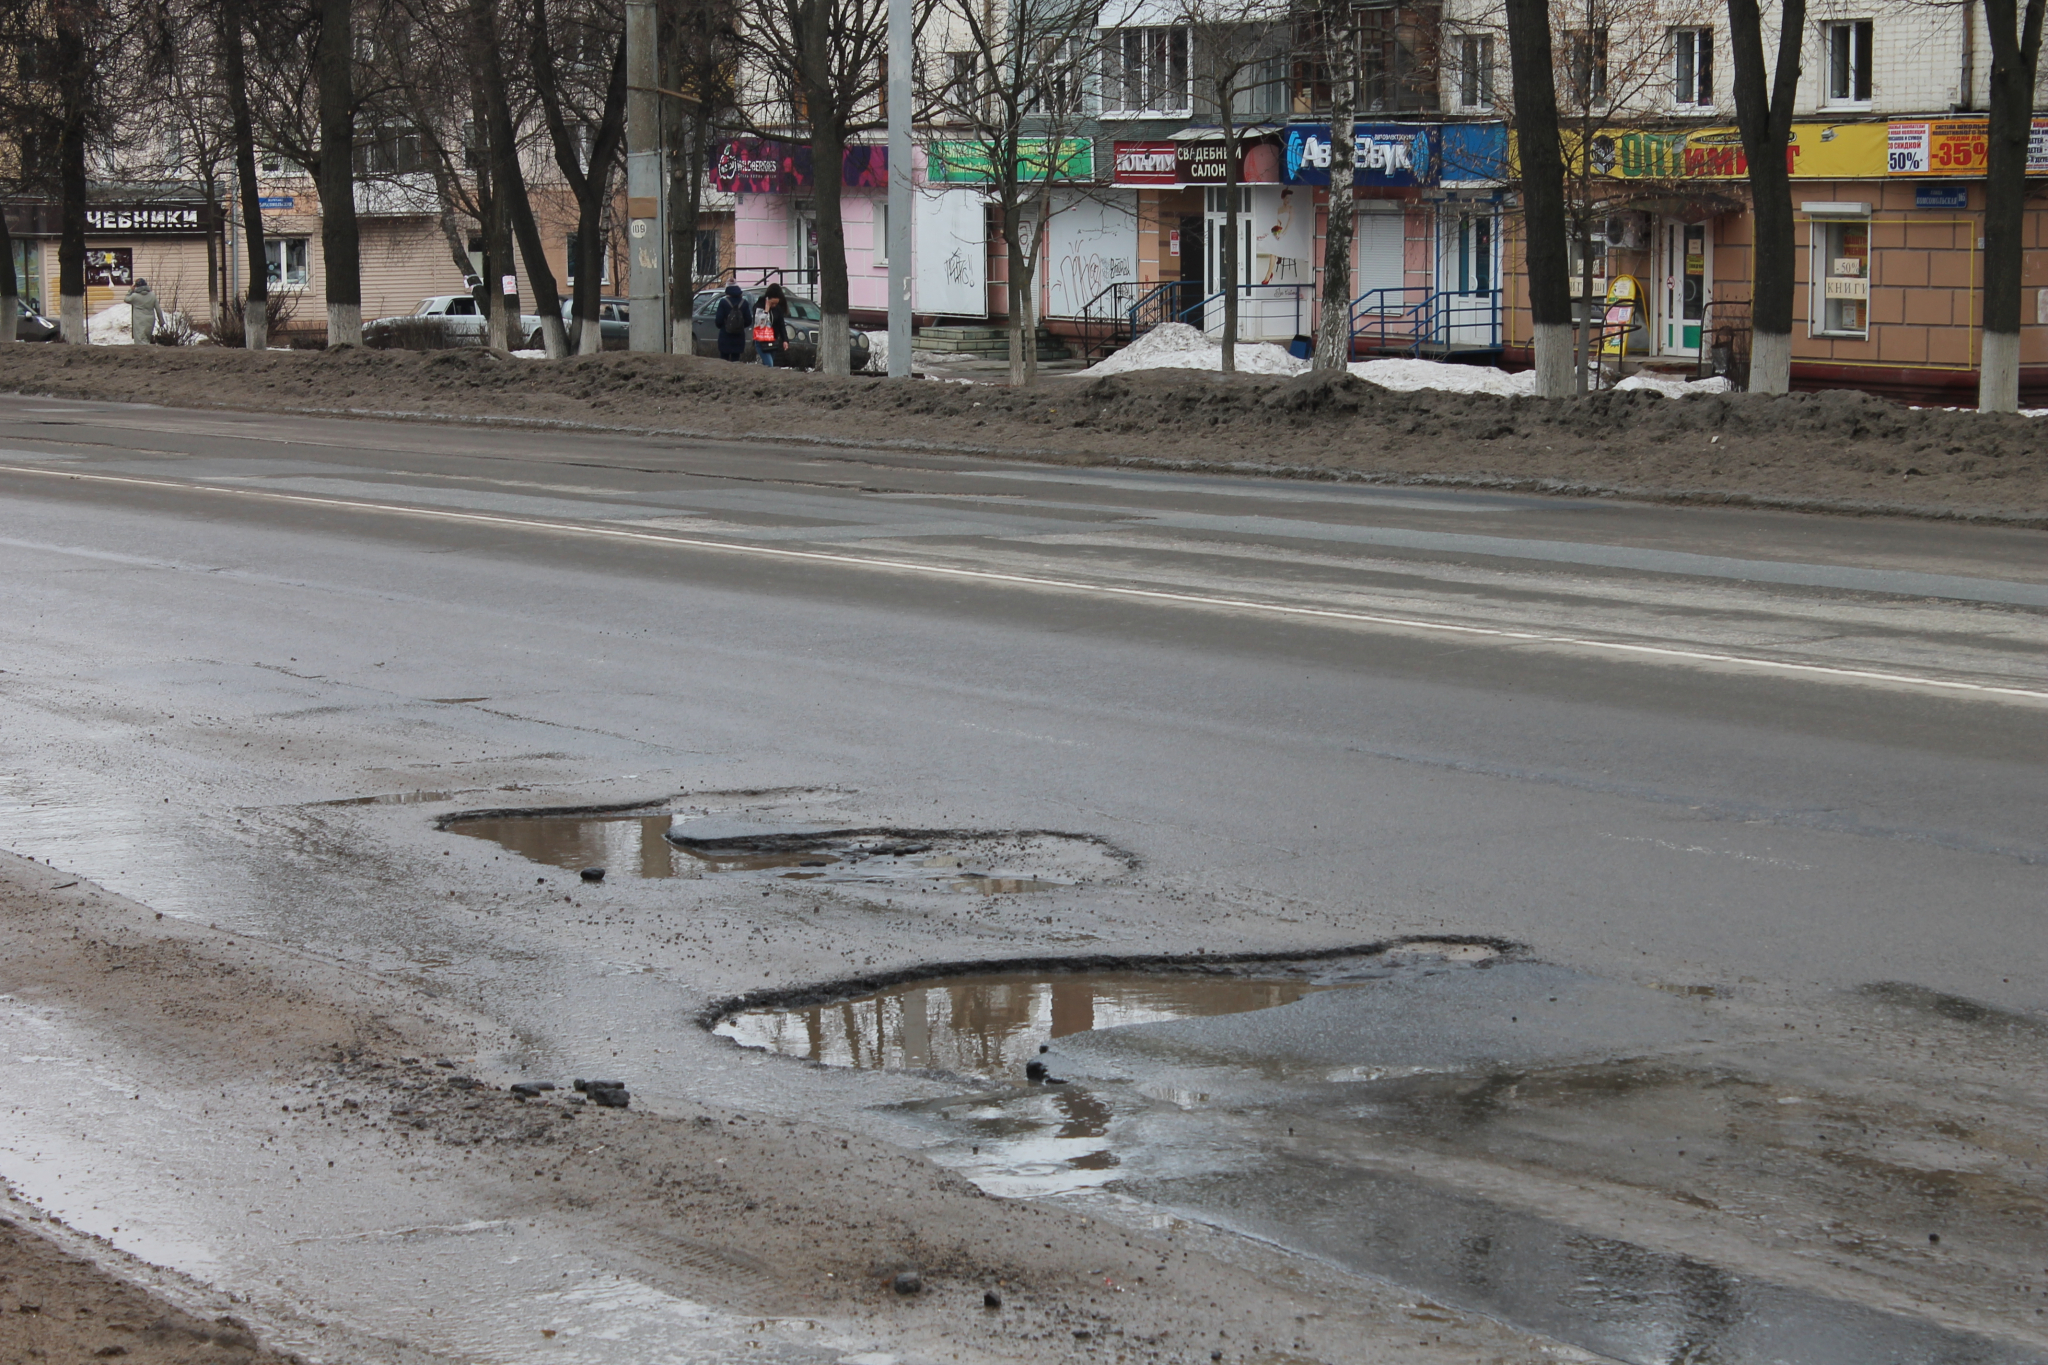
x=993, y=1025
x=1620, y=1167
x=654, y=844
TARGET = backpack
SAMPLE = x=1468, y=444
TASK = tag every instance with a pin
x=734, y=324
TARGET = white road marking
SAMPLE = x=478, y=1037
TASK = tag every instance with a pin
x=1671, y=653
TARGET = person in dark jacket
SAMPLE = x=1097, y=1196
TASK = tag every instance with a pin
x=771, y=328
x=734, y=321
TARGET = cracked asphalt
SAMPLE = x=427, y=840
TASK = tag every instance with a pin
x=1780, y=761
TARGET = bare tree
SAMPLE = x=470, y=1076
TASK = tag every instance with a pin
x=1339, y=34
x=1763, y=111
x=584, y=109
x=502, y=136
x=1016, y=100
x=1541, y=155
x=821, y=63
x=699, y=41
x=1238, y=47
x=340, y=239
x=228, y=15
x=2015, y=34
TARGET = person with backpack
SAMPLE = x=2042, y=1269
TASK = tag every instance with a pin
x=735, y=320
x=771, y=328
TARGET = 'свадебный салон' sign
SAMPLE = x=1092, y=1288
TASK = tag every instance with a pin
x=143, y=219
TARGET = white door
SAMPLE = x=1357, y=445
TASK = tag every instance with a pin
x=1380, y=253
x=1215, y=225
x=1685, y=282
x=1467, y=273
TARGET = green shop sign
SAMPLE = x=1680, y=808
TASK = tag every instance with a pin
x=968, y=163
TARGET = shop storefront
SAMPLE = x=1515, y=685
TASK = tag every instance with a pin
x=162, y=240
x=1889, y=217
x=775, y=218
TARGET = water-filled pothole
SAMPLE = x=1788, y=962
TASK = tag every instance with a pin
x=647, y=843
x=992, y=1024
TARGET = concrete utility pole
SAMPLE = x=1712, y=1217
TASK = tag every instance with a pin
x=646, y=237
x=898, y=245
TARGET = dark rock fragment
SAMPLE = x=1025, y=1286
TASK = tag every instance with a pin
x=907, y=1282
x=991, y=1299
x=592, y=874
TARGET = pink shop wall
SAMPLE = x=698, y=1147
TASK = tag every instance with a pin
x=763, y=227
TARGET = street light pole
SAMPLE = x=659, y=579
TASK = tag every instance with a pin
x=646, y=241
x=898, y=244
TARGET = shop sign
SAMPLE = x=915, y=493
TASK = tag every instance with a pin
x=968, y=163
x=1196, y=163
x=1940, y=197
x=764, y=166
x=1955, y=146
x=1393, y=155
x=143, y=219
x=1473, y=153
x=275, y=201
x=1147, y=163
x=1816, y=151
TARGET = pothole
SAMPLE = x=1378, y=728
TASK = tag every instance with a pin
x=991, y=1025
x=993, y=1022
x=647, y=843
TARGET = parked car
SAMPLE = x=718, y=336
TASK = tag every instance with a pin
x=442, y=322
x=613, y=318
x=30, y=325
x=804, y=321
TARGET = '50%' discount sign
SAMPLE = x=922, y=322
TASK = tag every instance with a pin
x=1953, y=147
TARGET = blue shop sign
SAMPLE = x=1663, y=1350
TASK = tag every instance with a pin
x=1395, y=155
x=274, y=201
x=1940, y=197
x=1473, y=153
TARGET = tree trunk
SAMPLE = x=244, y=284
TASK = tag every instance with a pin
x=2015, y=61
x=340, y=243
x=1227, y=257
x=1013, y=256
x=71, y=178
x=1333, y=336
x=828, y=154
x=685, y=210
x=1764, y=116
x=511, y=189
x=234, y=71
x=10, y=306
x=1545, y=253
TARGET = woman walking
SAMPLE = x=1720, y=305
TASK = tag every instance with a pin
x=771, y=328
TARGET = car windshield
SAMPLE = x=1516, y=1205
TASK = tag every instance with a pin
x=803, y=311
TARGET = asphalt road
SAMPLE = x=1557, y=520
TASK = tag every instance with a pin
x=1656, y=744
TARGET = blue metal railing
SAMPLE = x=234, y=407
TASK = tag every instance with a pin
x=1163, y=303
x=1411, y=317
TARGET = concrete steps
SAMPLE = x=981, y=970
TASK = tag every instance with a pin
x=990, y=342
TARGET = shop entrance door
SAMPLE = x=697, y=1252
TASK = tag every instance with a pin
x=1685, y=269
x=1468, y=271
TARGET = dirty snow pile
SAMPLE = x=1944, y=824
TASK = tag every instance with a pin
x=1408, y=375
x=1178, y=346
x=1674, y=388
x=111, y=326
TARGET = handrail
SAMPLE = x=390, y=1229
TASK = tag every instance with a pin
x=1393, y=317
x=1201, y=307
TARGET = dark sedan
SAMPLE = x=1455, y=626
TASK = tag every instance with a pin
x=29, y=325
x=804, y=321
x=614, y=318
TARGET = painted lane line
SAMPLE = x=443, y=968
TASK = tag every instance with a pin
x=1333, y=614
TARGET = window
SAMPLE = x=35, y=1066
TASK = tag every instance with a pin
x=962, y=94
x=881, y=233
x=1062, y=76
x=284, y=261
x=604, y=262
x=707, y=255
x=389, y=151
x=1692, y=68
x=1262, y=90
x=1586, y=54
x=1841, y=271
x=1397, y=59
x=460, y=308
x=1594, y=245
x=1848, y=55
x=1475, y=71
x=1145, y=70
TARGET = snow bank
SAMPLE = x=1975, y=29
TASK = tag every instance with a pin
x=1178, y=346
x=1406, y=375
x=1674, y=388
x=111, y=326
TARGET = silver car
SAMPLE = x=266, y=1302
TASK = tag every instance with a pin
x=442, y=323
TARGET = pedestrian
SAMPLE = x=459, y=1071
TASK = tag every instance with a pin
x=734, y=321
x=142, y=311
x=771, y=328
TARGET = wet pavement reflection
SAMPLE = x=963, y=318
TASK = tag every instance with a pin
x=993, y=1025
x=652, y=844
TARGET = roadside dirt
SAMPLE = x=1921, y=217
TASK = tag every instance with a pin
x=759, y=1216
x=1840, y=451
x=61, y=1308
